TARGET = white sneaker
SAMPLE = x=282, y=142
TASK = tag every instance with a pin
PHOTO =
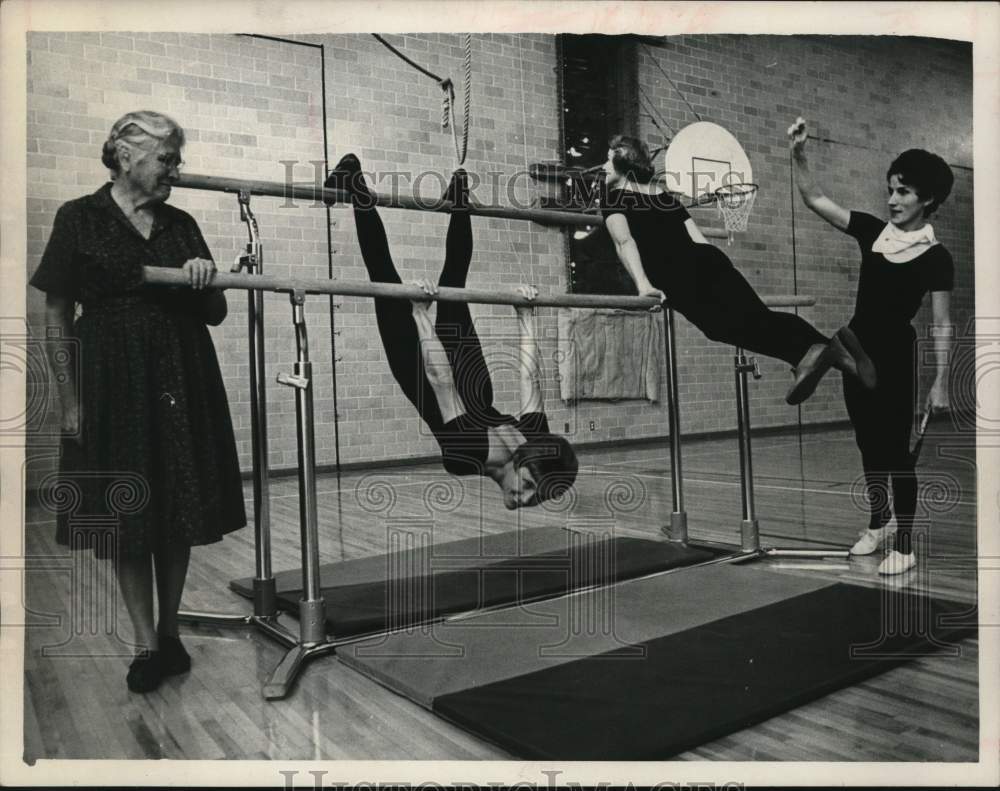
x=873, y=540
x=896, y=563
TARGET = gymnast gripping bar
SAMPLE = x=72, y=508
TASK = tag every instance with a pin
x=166, y=276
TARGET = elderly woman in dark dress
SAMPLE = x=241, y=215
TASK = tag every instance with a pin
x=152, y=408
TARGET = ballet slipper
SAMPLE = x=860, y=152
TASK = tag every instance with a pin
x=457, y=193
x=850, y=357
x=347, y=176
x=811, y=368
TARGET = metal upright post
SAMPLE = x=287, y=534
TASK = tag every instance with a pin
x=264, y=592
x=265, y=606
x=749, y=527
x=677, y=529
x=311, y=618
x=312, y=612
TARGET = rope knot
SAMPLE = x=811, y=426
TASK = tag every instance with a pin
x=446, y=85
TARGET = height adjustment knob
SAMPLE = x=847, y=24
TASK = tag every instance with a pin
x=293, y=380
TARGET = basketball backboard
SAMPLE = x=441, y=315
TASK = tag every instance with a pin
x=702, y=157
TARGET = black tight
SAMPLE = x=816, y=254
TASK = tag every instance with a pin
x=712, y=294
x=453, y=325
x=882, y=420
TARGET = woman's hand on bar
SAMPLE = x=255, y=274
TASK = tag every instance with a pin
x=430, y=288
x=529, y=293
x=200, y=272
x=649, y=290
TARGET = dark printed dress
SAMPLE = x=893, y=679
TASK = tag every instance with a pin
x=157, y=465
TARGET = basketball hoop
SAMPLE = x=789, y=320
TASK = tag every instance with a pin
x=735, y=202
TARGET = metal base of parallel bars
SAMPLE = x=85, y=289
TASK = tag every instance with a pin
x=792, y=552
x=267, y=624
x=737, y=554
x=677, y=529
x=265, y=608
x=750, y=535
x=284, y=675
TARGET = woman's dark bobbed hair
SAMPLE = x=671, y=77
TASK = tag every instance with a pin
x=630, y=156
x=928, y=174
x=551, y=461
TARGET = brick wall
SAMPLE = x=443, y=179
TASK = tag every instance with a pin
x=250, y=105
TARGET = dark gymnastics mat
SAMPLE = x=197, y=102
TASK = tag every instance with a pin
x=414, y=586
x=690, y=656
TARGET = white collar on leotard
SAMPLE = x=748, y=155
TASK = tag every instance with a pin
x=901, y=246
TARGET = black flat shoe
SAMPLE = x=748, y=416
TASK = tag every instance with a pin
x=863, y=367
x=457, y=193
x=347, y=176
x=174, y=660
x=811, y=368
x=145, y=673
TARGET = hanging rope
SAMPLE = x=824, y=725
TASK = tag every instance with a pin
x=657, y=64
x=795, y=276
x=650, y=109
x=448, y=102
x=403, y=57
x=448, y=108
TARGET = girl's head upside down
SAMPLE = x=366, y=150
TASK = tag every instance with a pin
x=543, y=468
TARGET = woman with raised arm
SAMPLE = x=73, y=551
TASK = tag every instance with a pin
x=667, y=256
x=440, y=367
x=901, y=261
x=149, y=415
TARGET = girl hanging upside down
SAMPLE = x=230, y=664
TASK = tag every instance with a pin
x=667, y=256
x=439, y=363
x=900, y=262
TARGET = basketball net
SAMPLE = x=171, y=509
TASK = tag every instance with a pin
x=735, y=201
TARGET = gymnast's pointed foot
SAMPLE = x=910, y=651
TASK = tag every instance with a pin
x=458, y=190
x=811, y=368
x=850, y=356
x=347, y=176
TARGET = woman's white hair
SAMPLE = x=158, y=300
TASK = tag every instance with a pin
x=137, y=128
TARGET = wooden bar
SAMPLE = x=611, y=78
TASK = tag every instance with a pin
x=166, y=276
x=315, y=193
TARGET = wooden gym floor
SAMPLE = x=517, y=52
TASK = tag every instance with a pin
x=77, y=706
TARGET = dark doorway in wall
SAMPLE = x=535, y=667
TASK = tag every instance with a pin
x=598, y=96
